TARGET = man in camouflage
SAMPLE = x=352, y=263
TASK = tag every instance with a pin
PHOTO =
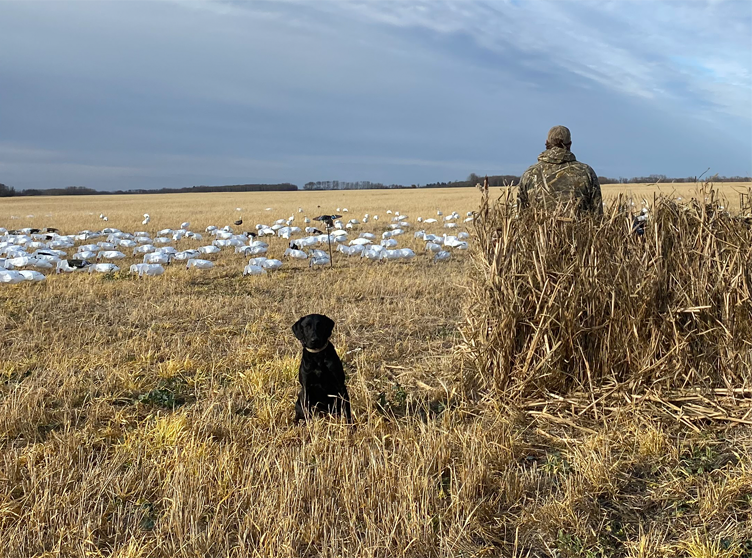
x=559, y=178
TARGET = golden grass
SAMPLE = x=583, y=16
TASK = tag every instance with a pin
x=154, y=417
x=729, y=190
x=562, y=304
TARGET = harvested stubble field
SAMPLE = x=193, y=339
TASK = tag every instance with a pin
x=153, y=417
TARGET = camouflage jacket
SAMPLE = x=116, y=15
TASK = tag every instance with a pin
x=558, y=177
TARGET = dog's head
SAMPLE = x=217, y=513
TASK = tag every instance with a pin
x=313, y=331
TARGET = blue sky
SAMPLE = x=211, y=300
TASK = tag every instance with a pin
x=128, y=94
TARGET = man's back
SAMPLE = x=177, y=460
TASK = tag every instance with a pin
x=558, y=178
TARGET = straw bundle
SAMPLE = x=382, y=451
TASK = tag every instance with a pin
x=563, y=303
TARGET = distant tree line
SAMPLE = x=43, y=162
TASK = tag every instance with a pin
x=662, y=178
x=343, y=185
x=501, y=180
x=8, y=191
x=284, y=187
x=473, y=179
x=509, y=180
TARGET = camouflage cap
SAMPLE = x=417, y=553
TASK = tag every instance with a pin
x=559, y=135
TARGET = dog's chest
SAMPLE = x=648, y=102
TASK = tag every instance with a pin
x=318, y=370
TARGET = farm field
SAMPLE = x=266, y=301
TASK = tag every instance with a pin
x=153, y=417
x=211, y=208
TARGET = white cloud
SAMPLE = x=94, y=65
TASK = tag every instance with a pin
x=643, y=49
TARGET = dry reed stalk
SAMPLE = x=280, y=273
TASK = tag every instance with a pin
x=563, y=303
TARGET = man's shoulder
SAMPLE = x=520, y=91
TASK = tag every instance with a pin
x=580, y=165
x=551, y=170
x=540, y=167
x=580, y=168
x=530, y=175
x=531, y=169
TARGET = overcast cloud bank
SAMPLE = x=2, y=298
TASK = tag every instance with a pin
x=117, y=95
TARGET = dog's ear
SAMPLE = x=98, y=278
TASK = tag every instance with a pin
x=325, y=326
x=297, y=330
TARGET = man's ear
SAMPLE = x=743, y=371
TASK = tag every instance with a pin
x=297, y=330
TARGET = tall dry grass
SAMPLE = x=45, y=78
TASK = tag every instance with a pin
x=565, y=302
x=154, y=418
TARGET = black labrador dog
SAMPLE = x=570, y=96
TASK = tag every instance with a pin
x=321, y=376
